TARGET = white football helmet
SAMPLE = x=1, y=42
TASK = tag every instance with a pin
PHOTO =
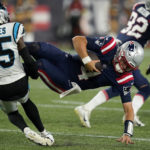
x=4, y=16
x=147, y=4
x=128, y=57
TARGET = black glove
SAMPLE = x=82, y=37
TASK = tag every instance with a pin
x=31, y=70
x=30, y=64
x=148, y=70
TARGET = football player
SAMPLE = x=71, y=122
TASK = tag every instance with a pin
x=14, y=82
x=137, y=29
x=67, y=74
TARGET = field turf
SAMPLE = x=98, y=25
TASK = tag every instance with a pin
x=59, y=118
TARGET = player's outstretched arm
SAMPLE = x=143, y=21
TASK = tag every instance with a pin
x=128, y=124
x=28, y=60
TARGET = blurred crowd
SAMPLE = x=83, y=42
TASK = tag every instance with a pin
x=60, y=20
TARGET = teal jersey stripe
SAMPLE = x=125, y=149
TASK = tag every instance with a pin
x=15, y=31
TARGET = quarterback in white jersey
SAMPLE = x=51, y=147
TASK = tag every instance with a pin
x=11, y=69
x=14, y=82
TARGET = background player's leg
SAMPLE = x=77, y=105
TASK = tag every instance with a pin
x=16, y=119
x=10, y=108
x=143, y=86
x=33, y=114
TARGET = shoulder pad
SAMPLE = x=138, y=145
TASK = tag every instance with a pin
x=137, y=5
x=109, y=43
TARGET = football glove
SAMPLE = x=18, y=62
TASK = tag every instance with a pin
x=31, y=70
x=30, y=63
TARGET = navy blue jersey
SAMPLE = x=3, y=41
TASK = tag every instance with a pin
x=138, y=27
x=58, y=69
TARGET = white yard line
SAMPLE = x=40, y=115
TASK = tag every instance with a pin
x=72, y=107
x=82, y=135
x=81, y=103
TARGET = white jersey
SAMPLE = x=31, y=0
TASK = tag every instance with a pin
x=11, y=68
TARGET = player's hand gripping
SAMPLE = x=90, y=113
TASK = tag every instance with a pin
x=148, y=70
x=125, y=139
x=91, y=66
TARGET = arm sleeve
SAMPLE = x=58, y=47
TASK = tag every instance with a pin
x=31, y=67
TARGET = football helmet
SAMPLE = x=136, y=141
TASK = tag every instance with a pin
x=128, y=57
x=147, y=4
x=4, y=16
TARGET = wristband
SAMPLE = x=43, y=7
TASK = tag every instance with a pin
x=86, y=60
x=128, y=128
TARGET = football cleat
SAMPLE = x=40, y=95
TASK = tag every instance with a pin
x=84, y=116
x=48, y=135
x=74, y=90
x=136, y=121
x=36, y=138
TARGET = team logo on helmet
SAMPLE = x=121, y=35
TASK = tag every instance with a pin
x=131, y=46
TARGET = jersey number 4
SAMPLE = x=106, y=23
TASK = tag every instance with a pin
x=136, y=26
x=85, y=75
x=6, y=55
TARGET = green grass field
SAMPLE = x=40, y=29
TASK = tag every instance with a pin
x=59, y=118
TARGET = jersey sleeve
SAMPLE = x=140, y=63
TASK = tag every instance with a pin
x=18, y=31
x=102, y=45
x=125, y=95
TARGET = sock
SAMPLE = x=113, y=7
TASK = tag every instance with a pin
x=33, y=114
x=16, y=119
x=99, y=99
x=137, y=103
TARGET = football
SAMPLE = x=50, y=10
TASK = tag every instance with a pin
x=93, y=56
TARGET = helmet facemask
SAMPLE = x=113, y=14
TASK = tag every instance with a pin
x=121, y=64
x=128, y=57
